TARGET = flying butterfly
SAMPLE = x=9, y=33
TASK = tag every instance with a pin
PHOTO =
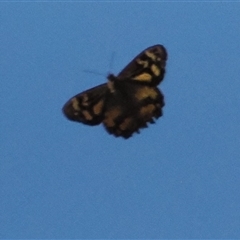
x=128, y=101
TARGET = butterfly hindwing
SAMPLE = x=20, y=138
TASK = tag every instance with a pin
x=87, y=107
x=131, y=107
x=129, y=101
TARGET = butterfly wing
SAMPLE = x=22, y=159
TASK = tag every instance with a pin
x=147, y=67
x=131, y=107
x=87, y=107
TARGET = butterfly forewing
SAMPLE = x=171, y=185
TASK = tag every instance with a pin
x=129, y=101
x=87, y=107
x=147, y=67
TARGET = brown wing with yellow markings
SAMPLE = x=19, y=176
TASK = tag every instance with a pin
x=147, y=67
x=87, y=107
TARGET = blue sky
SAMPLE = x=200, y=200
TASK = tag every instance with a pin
x=177, y=179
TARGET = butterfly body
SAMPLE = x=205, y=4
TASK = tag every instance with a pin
x=128, y=101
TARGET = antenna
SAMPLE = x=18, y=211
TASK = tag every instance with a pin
x=111, y=63
x=94, y=72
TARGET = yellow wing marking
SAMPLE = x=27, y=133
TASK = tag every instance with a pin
x=126, y=124
x=87, y=115
x=97, y=108
x=143, y=77
x=147, y=111
x=142, y=62
x=156, y=71
x=85, y=100
x=151, y=55
x=111, y=115
x=75, y=104
x=145, y=92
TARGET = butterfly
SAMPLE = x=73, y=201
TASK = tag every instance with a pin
x=128, y=101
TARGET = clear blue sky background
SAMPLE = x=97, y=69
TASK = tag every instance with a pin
x=177, y=179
